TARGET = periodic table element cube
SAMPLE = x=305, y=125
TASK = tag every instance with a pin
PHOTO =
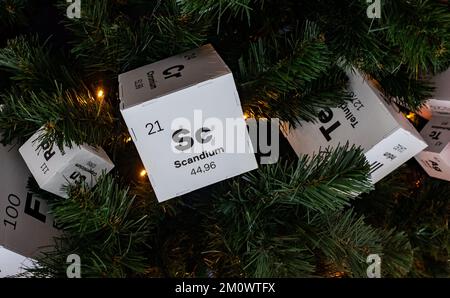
x=54, y=168
x=26, y=227
x=435, y=160
x=196, y=86
x=12, y=264
x=385, y=135
x=439, y=103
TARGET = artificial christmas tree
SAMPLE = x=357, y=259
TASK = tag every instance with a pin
x=313, y=215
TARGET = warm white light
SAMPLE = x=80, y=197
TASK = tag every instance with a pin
x=100, y=93
x=143, y=173
x=410, y=115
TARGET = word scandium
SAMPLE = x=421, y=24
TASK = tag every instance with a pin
x=202, y=156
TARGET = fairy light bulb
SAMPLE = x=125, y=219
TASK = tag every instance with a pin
x=100, y=93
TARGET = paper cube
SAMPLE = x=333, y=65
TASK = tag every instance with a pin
x=386, y=136
x=12, y=264
x=177, y=111
x=54, y=168
x=26, y=228
x=435, y=160
x=439, y=104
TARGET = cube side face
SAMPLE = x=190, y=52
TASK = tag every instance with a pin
x=439, y=107
x=392, y=152
x=439, y=103
x=12, y=263
x=442, y=86
x=26, y=225
x=180, y=137
x=437, y=133
x=364, y=122
x=87, y=165
x=169, y=75
x=391, y=108
x=434, y=164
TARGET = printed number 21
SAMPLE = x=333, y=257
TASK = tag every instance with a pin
x=152, y=127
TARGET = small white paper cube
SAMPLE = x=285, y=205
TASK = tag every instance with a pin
x=386, y=136
x=439, y=104
x=174, y=110
x=435, y=160
x=53, y=169
x=26, y=228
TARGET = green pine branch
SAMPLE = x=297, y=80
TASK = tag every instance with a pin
x=109, y=42
x=66, y=116
x=290, y=77
x=105, y=227
x=33, y=64
x=12, y=12
x=260, y=212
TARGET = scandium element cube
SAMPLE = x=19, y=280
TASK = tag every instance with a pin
x=435, y=160
x=439, y=104
x=26, y=228
x=386, y=136
x=53, y=169
x=180, y=158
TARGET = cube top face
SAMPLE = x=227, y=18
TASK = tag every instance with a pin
x=169, y=75
x=437, y=134
x=179, y=137
x=26, y=225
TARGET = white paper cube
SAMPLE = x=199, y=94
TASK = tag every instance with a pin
x=439, y=104
x=386, y=136
x=26, y=228
x=12, y=263
x=53, y=169
x=196, y=86
x=435, y=160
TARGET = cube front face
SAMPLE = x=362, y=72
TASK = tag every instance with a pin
x=180, y=137
x=435, y=160
x=44, y=160
x=169, y=75
x=367, y=122
x=53, y=168
x=26, y=226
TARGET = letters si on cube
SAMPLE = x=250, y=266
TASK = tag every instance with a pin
x=26, y=228
x=435, y=160
x=54, y=168
x=197, y=87
x=439, y=104
x=386, y=136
